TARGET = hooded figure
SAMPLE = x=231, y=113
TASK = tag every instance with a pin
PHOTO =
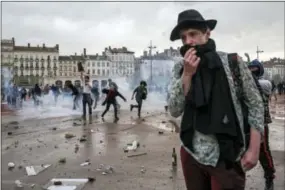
x=265, y=157
x=256, y=68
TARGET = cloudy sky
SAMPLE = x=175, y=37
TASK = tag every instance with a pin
x=241, y=26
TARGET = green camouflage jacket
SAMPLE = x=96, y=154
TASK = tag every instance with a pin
x=205, y=148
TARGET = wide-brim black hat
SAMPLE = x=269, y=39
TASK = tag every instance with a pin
x=190, y=18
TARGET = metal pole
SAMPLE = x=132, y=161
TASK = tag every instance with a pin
x=258, y=52
x=151, y=47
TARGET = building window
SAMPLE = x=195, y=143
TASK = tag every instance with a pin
x=107, y=64
x=98, y=64
x=88, y=71
x=103, y=64
x=74, y=69
x=108, y=72
x=93, y=71
x=88, y=64
x=65, y=68
x=98, y=71
x=103, y=72
x=93, y=64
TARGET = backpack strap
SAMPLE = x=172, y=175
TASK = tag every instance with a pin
x=235, y=70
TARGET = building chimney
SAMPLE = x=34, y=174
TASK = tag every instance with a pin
x=28, y=45
x=75, y=53
x=13, y=41
x=84, y=52
x=57, y=47
x=44, y=45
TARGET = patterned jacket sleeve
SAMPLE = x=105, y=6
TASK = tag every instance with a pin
x=176, y=97
x=252, y=98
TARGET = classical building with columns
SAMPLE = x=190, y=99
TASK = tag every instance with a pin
x=30, y=64
x=98, y=67
x=122, y=61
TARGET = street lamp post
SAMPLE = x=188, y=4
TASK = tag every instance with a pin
x=258, y=51
x=151, y=47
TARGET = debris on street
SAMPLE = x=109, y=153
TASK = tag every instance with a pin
x=66, y=184
x=76, y=148
x=143, y=170
x=105, y=169
x=135, y=155
x=62, y=160
x=69, y=135
x=132, y=146
x=18, y=183
x=86, y=163
x=83, y=139
x=11, y=165
x=35, y=170
x=57, y=183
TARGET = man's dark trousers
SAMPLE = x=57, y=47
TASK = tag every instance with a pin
x=265, y=157
x=86, y=99
x=139, y=106
x=108, y=107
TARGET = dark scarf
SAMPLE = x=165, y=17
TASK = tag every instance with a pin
x=209, y=106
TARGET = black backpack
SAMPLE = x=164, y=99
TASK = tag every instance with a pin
x=233, y=63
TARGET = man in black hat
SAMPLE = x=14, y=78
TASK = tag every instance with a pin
x=207, y=90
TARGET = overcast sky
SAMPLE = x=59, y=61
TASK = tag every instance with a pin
x=241, y=26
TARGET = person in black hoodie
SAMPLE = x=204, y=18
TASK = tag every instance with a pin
x=36, y=93
x=111, y=95
x=75, y=95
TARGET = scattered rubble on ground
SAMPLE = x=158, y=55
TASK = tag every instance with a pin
x=69, y=135
x=106, y=169
x=83, y=139
x=35, y=170
x=132, y=146
x=62, y=160
x=91, y=179
x=11, y=165
x=143, y=170
x=76, y=148
x=18, y=183
x=57, y=183
x=86, y=163
x=135, y=155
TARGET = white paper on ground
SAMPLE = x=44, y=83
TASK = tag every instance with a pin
x=34, y=170
x=63, y=187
